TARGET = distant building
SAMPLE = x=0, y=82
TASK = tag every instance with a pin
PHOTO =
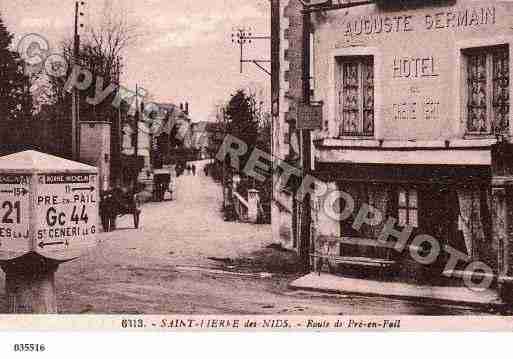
x=171, y=132
x=206, y=138
x=199, y=138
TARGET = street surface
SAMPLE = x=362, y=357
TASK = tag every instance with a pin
x=185, y=259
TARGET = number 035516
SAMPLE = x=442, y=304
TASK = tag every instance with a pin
x=29, y=347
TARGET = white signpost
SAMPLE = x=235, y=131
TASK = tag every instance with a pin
x=66, y=207
x=48, y=215
x=14, y=219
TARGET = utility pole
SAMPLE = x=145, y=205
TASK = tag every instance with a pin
x=75, y=107
x=136, y=131
x=225, y=199
x=118, y=149
x=243, y=36
x=306, y=151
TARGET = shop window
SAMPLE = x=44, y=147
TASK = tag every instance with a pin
x=408, y=209
x=474, y=221
x=377, y=196
x=487, y=90
x=355, y=92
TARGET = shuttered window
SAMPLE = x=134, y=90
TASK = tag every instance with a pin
x=487, y=90
x=355, y=92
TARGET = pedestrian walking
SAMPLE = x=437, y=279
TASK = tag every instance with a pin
x=193, y=169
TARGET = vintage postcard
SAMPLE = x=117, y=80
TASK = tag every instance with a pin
x=256, y=165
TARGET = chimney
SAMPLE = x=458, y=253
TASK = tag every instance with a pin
x=186, y=108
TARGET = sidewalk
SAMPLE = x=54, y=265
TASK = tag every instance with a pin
x=454, y=295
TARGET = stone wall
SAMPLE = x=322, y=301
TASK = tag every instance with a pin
x=290, y=91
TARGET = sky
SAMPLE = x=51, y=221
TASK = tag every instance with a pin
x=184, y=52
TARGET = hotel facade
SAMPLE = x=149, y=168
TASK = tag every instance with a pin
x=416, y=128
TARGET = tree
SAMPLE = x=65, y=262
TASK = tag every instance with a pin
x=102, y=45
x=15, y=99
x=101, y=52
x=246, y=120
x=241, y=120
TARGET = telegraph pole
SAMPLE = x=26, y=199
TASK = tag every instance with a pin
x=75, y=109
x=225, y=197
x=117, y=149
x=306, y=150
x=243, y=36
x=136, y=131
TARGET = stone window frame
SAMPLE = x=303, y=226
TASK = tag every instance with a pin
x=462, y=47
x=487, y=54
x=362, y=65
x=332, y=101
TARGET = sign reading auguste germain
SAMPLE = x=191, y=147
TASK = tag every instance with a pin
x=458, y=18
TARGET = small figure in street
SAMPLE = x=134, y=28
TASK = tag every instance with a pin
x=193, y=169
x=108, y=211
x=188, y=169
x=165, y=187
x=172, y=182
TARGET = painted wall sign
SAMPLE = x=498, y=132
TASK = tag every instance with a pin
x=14, y=213
x=457, y=18
x=427, y=109
x=66, y=207
x=414, y=67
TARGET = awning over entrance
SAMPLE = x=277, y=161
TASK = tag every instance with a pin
x=401, y=173
x=407, y=156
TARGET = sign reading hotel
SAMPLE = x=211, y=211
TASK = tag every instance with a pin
x=14, y=213
x=66, y=214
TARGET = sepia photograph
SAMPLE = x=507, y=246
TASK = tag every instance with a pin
x=274, y=165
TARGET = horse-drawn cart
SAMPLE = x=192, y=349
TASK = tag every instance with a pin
x=164, y=180
x=117, y=202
